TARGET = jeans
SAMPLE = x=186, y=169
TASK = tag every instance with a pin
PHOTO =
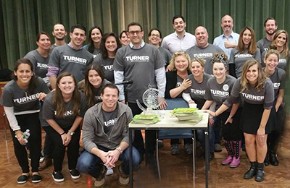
x=92, y=164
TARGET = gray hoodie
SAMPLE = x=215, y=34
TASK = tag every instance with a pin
x=93, y=131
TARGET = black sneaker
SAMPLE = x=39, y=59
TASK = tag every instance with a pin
x=75, y=174
x=57, y=177
x=22, y=179
x=36, y=178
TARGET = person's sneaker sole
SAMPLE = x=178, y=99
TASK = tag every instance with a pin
x=99, y=183
x=22, y=179
x=36, y=178
x=57, y=180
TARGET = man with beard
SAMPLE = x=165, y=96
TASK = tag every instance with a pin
x=229, y=39
x=180, y=40
x=270, y=26
x=59, y=34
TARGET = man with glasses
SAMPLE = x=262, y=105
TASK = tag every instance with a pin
x=180, y=40
x=143, y=64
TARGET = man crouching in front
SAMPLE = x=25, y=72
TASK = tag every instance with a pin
x=105, y=135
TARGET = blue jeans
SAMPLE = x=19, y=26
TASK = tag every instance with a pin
x=91, y=164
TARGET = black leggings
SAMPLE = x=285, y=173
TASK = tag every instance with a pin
x=59, y=148
x=31, y=122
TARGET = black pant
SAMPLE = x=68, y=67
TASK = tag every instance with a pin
x=59, y=148
x=150, y=135
x=31, y=122
x=48, y=147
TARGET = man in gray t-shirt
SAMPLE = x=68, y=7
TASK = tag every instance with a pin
x=143, y=64
x=70, y=57
x=203, y=49
x=270, y=26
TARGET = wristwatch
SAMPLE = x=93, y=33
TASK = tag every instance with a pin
x=71, y=133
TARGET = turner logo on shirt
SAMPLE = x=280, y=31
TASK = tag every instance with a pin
x=197, y=92
x=111, y=122
x=41, y=65
x=203, y=55
x=74, y=59
x=243, y=55
x=219, y=93
x=136, y=58
x=253, y=97
x=27, y=99
x=108, y=67
x=67, y=113
x=276, y=85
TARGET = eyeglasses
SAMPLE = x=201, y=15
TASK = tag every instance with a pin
x=134, y=32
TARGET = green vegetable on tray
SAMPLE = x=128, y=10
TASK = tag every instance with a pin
x=145, y=119
x=184, y=110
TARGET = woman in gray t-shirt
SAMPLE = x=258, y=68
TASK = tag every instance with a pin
x=277, y=76
x=257, y=93
x=21, y=100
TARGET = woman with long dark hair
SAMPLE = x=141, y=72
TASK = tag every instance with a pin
x=109, y=46
x=63, y=111
x=21, y=100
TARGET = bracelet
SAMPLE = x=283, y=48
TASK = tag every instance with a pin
x=62, y=133
x=119, y=150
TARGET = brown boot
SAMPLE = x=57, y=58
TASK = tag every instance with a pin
x=46, y=163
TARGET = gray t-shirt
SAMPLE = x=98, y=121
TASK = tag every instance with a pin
x=206, y=53
x=252, y=95
x=138, y=65
x=197, y=90
x=239, y=59
x=65, y=58
x=165, y=54
x=22, y=100
x=40, y=64
x=48, y=111
x=219, y=92
x=278, y=79
x=110, y=120
x=107, y=65
x=263, y=45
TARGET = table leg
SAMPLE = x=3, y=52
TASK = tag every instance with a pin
x=130, y=159
x=193, y=159
x=206, y=157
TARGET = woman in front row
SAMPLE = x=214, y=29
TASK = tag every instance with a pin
x=21, y=100
x=257, y=93
x=218, y=90
x=277, y=76
x=63, y=110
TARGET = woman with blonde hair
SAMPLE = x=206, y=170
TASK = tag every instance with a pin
x=277, y=76
x=176, y=83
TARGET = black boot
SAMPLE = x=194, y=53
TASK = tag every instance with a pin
x=252, y=171
x=273, y=159
x=267, y=160
x=260, y=172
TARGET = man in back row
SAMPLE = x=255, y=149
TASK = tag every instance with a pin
x=180, y=40
x=70, y=57
x=229, y=39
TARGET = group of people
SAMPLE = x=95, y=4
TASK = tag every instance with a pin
x=69, y=90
